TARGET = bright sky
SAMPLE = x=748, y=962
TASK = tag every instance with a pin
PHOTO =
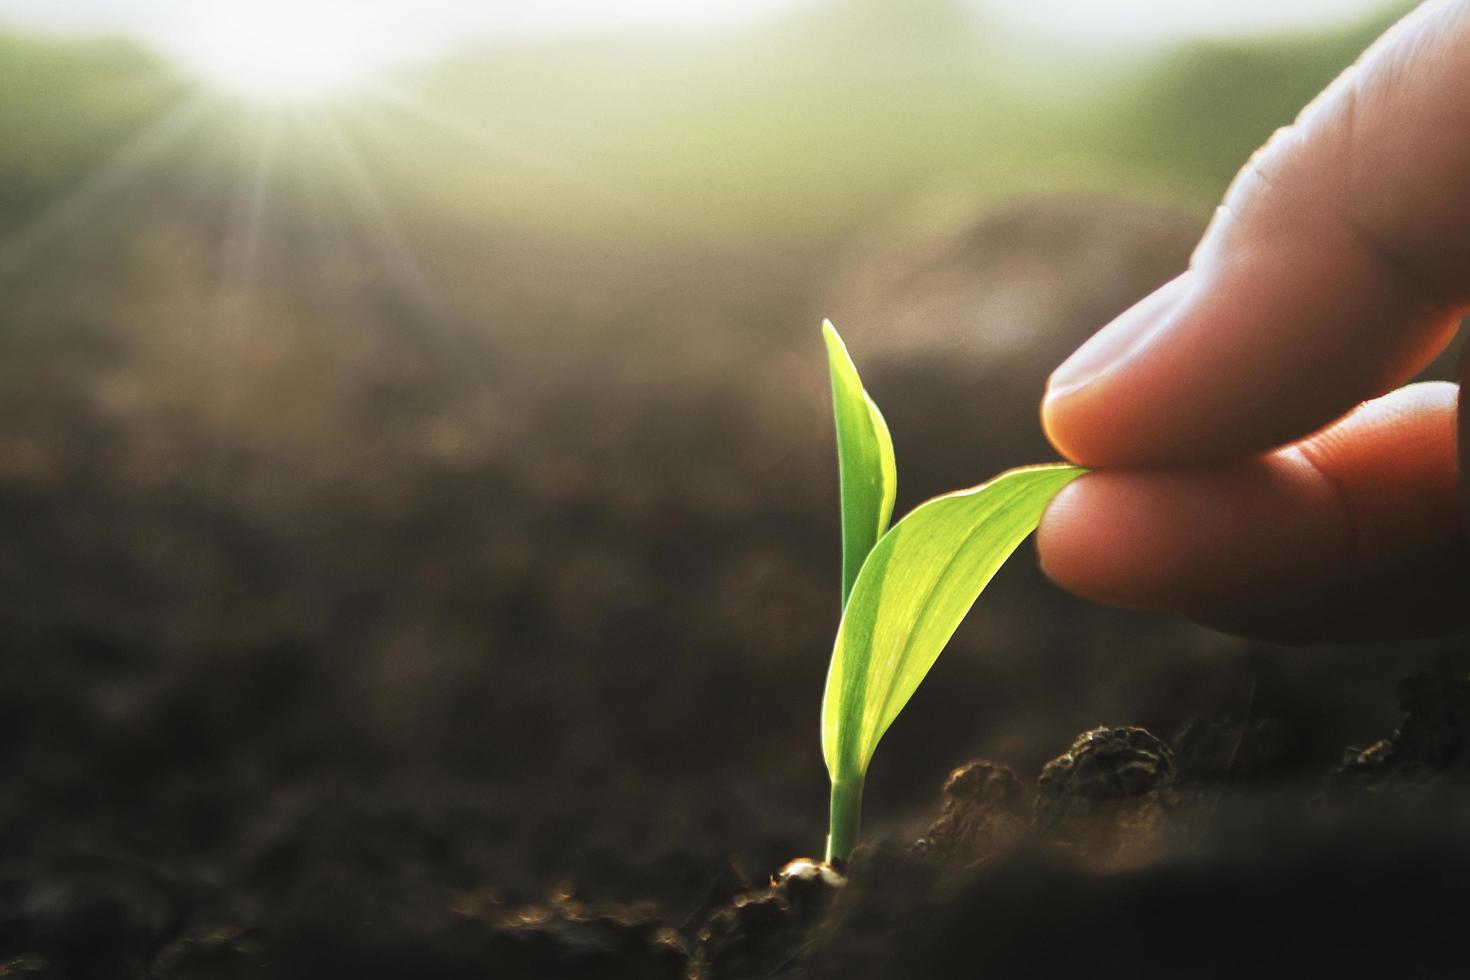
x=315, y=44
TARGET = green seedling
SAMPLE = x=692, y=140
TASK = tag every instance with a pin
x=905, y=589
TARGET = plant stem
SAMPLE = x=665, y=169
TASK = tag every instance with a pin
x=847, y=805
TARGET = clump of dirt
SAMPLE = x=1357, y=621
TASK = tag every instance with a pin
x=760, y=933
x=564, y=937
x=1434, y=736
x=1108, y=795
x=983, y=811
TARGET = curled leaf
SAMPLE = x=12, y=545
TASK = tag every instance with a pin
x=867, y=473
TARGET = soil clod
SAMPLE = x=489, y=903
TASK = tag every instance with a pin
x=1435, y=733
x=565, y=937
x=983, y=812
x=762, y=932
x=1108, y=795
x=1427, y=758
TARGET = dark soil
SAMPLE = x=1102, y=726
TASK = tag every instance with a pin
x=1129, y=856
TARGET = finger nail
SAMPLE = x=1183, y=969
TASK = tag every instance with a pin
x=1127, y=334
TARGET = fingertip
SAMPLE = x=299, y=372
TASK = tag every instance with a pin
x=1079, y=403
x=1054, y=427
x=1077, y=423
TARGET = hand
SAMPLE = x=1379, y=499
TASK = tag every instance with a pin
x=1337, y=267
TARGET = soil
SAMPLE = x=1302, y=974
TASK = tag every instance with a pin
x=413, y=653
x=1128, y=856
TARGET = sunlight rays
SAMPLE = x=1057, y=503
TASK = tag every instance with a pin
x=246, y=223
x=372, y=209
x=69, y=214
x=469, y=131
x=279, y=216
x=626, y=205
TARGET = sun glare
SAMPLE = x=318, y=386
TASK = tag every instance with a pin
x=274, y=50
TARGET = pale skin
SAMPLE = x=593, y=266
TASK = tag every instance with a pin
x=1260, y=467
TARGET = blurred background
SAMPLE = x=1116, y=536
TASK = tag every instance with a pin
x=416, y=467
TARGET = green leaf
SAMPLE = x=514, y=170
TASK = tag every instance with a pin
x=916, y=586
x=867, y=473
